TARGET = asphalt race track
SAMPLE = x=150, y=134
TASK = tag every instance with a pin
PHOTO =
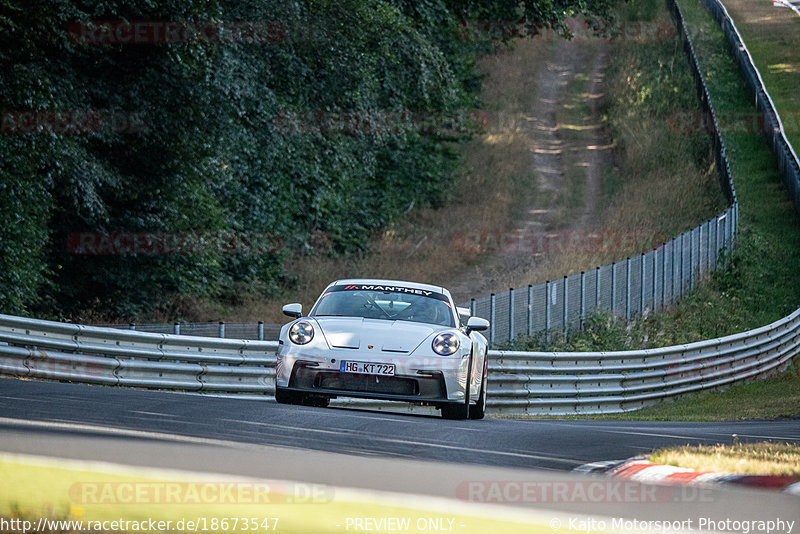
x=541, y=444
x=368, y=450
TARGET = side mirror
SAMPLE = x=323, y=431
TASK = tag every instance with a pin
x=477, y=324
x=293, y=310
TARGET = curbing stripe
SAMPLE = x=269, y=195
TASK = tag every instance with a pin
x=643, y=470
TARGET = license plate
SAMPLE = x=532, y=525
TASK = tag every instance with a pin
x=384, y=369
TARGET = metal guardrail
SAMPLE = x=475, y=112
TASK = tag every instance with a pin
x=519, y=382
x=44, y=349
x=612, y=382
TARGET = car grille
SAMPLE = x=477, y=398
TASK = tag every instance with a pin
x=389, y=385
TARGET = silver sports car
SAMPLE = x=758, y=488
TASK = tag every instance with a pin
x=384, y=339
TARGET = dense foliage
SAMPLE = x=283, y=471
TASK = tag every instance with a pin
x=207, y=138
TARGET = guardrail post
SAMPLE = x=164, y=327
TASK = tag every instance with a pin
x=491, y=318
x=176, y=329
x=547, y=310
x=131, y=326
x=530, y=310
x=566, y=306
x=628, y=289
x=614, y=289
x=583, y=299
x=510, y=313
x=221, y=329
x=261, y=330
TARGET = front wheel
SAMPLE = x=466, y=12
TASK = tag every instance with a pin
x=479, y=410
x=293, y=397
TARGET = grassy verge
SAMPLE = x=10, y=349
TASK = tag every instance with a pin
x=741, y=458
x=643, y=85
x=760, y=285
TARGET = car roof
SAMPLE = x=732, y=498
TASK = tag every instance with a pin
x=381, y=282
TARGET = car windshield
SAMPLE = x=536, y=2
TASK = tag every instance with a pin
x=394, y=304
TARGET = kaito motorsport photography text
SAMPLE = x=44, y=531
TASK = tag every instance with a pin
x=621, y=524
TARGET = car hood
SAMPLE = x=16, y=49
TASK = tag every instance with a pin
x=385, y=335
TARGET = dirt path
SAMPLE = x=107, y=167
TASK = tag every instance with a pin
x=553, y=150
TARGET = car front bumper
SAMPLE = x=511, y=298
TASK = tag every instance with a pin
x=428, y=380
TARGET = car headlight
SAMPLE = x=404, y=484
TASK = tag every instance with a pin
x=445, y=344
x=301, y=333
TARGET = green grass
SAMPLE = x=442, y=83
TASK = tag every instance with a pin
x=611, y=183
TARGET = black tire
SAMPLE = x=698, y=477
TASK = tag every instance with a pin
x=479, y=410
x=287, y=397
x=455, y=411
x=293, y=397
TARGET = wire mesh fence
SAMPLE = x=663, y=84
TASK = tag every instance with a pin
x=630, y=288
